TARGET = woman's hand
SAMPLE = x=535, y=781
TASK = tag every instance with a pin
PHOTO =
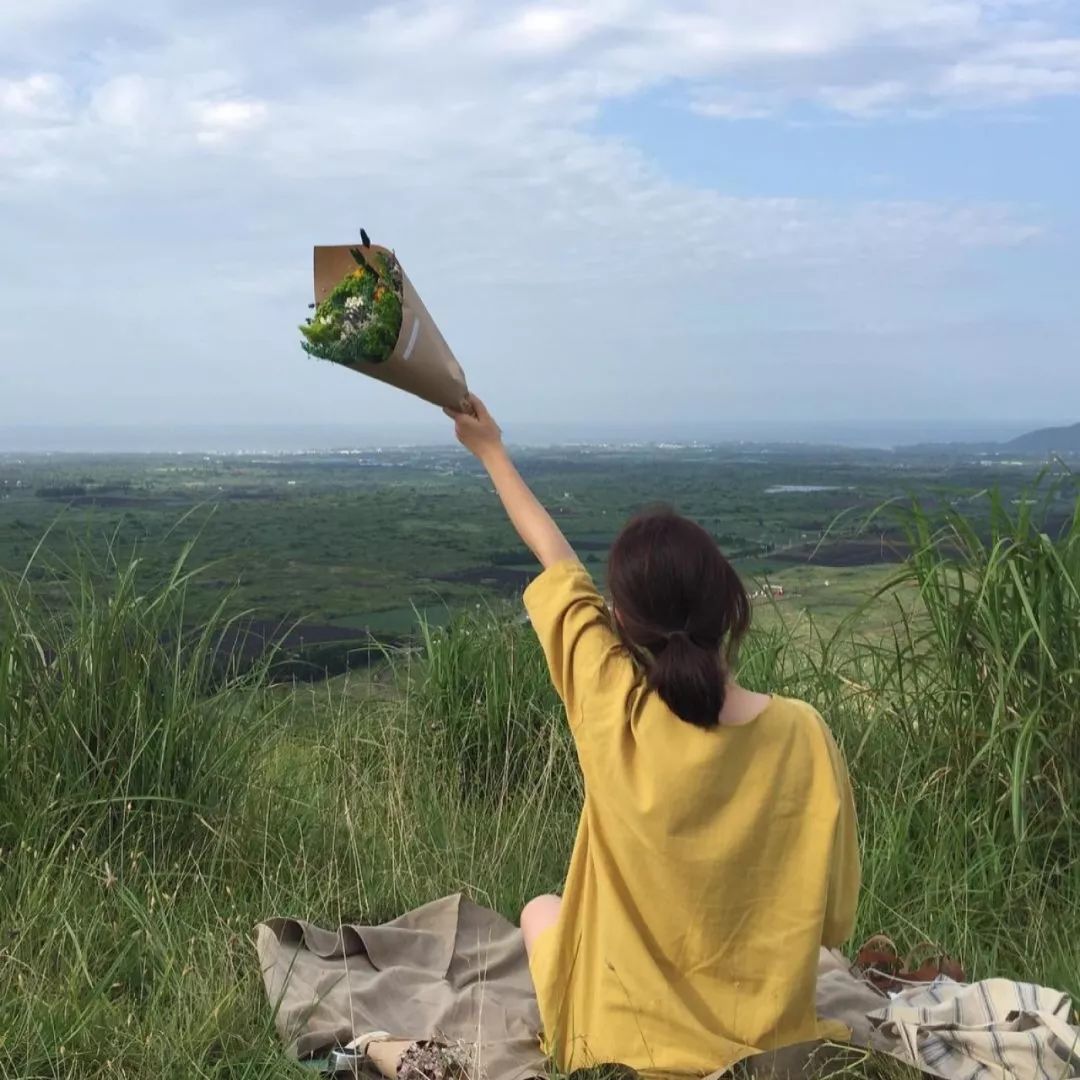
x=477, y=432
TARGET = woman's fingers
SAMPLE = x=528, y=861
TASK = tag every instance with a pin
x=473, y=421
x=474, y=402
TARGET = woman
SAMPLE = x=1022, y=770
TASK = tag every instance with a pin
x=717, y=848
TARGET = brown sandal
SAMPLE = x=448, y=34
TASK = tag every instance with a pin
x=932, y=964
x=879, y=962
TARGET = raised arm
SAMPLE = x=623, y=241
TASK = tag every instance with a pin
x=481, y=435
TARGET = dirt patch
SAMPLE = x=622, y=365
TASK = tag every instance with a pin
x=308, y=652
x=506, y=579
x=842, y=553
x=252, y=637
x=248, y=495
x=125, y=502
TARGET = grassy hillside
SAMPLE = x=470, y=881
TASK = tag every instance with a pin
x=156, y=804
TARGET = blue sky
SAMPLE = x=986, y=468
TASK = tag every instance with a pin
x=621, y=213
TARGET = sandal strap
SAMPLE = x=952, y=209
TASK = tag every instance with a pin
x=927, y=962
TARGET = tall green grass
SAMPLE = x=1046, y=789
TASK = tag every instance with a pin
x=491, y=712
x=960, y=726
x=114, y=713
x=1002, y=635
x=154, y=805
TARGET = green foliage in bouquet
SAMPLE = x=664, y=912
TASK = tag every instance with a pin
x=361, y=318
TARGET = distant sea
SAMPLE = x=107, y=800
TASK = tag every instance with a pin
x=278, y=438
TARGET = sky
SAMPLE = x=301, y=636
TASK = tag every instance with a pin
x=650, y=215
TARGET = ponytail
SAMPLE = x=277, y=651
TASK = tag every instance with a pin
x=680, y=609
x=689, y=679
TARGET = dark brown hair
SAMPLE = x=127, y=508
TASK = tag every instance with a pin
x=680, y=608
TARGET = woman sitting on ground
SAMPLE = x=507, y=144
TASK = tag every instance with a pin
x=717, y=849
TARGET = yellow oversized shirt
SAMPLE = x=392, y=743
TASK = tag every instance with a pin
x=710, y=866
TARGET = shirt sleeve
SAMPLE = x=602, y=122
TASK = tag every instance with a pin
x=845, y=871
x=575, y=631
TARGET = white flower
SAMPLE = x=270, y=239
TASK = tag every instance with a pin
x=353, y=303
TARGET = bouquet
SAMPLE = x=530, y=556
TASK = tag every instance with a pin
x=361, y=318
x=369, y=318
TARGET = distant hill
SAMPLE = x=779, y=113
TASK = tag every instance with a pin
x=1051, y=440
x=1042, y=443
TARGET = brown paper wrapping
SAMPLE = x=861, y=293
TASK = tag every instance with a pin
x=421, y=363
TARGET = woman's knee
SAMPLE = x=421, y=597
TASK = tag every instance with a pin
x=537, y=916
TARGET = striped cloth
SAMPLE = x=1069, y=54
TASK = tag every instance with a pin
x=996, y=1029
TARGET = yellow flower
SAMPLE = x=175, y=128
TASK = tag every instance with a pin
x=358, y=272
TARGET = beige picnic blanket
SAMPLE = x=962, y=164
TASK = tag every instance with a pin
x=456, y=972
x=451, y=970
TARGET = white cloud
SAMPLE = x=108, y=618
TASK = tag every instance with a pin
x=477, y=114
x=124, y=101
x=731, y=105
x=547, y=29
x=39, y=97
x=421, y=81
x=867, y=99
x=1063, y=51
x=898, y=55
x=236, y=135
x=1018, y=71
x=163, y=116
x=219, y=121
x=1010, y=82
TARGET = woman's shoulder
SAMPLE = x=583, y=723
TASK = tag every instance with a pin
x=802, y=719
x=795, y=708
x=795, y=713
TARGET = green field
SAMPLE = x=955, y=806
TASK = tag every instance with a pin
x=357, y=541
x=155, y=806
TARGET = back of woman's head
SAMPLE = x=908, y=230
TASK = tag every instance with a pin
x=681, y=608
